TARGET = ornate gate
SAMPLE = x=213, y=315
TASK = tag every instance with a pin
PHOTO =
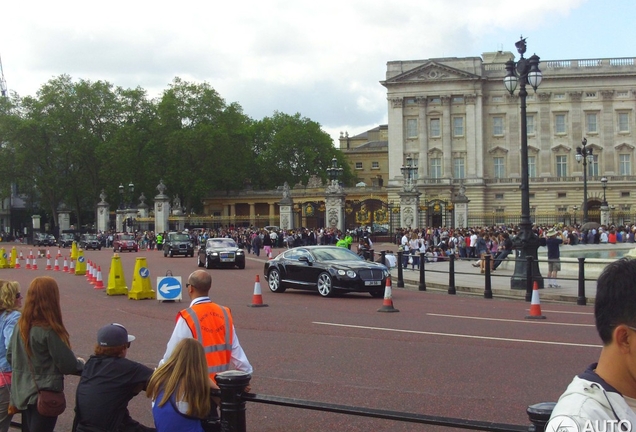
x=436, y=213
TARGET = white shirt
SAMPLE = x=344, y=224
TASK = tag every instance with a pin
x=181, y=331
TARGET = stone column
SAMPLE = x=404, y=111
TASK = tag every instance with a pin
x=162, y=209
x=286, y=206
x=64, y=220
x=605, y=215
x=409, y=207
x=334, y=210
x=396, y=140
x=103, y=217
x=460, y=214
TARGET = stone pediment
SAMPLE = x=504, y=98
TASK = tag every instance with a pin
x=561, y=149
x=431, y=72
x=624, y=147
x=498, y=150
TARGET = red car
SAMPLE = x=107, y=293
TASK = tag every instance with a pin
x=125, y=242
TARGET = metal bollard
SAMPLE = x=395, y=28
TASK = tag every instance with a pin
x=581, y=300
x=383, y=258
x=400, y=281
x=488, y=287
x=529, y=280
x=539, y=415
x=232, y=383
x=451, y=275
x=422, y=284
x=371, y=256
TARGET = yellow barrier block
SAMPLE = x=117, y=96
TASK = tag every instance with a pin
x=3, y=258
x=74, y=252
x=141, y=285
x=116, y=280
x=14, y=257
x=80, y=266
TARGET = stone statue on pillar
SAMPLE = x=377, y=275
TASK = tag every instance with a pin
x=162, y=209
x=103, y=213
x=286, y=205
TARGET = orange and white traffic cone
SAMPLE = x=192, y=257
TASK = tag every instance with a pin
x=89, y=276
x=34, y=265
x=48, y=264
x=17, y=262
x=535, y=304
x=56, y=266
x=28, y=261
x=387, y=304
x=48, y=254
x=65, y=268
x=257, y=298
x=93, y=271
x=99, y=283
x=59, y=253
x=71, y=268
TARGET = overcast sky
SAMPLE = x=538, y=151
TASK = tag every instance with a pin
x=323, y=59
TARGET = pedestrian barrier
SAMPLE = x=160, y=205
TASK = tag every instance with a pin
x=387, y=303
x=116, y=280
x=535, y=306
x=257, y=297
x=234, y=409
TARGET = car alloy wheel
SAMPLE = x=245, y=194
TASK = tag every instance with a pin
x=274, y=282
x=208, y=263
x=325, y=285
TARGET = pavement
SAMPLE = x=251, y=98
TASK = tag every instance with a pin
x=469, y=280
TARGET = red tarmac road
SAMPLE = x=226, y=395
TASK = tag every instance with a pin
x=443, y=355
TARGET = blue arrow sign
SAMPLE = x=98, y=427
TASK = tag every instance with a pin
x=170, y=288
x=144, y=272
x=4, y=255
x=81, y=259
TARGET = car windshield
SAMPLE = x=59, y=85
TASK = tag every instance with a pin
x=335, y=253
x=220, y=243
x=91, y=237
x=126, y=237
x=179, y=237
x=67, y=236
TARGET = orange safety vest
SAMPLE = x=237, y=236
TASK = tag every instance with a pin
x=212, y=325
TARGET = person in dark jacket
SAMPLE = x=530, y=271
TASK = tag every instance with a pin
x=109, y=381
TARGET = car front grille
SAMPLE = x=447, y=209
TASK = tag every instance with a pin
x=370, y=274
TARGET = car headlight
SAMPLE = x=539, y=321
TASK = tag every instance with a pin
x=240, y=252
x=386, y=273
x=351, y=274
x=342, y=272
x=214, y=253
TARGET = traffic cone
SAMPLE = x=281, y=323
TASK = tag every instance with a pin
x=93, y=272
x=89, y=267
x=34, y=265
x=65, y=268
x=71, y=268
x=99, y=283
x=28, y=261
x=387, y=304
x=257, y=298
x=17, y=262
x=48, y=263
x=535, y=304
x=56, y=266
x=59, y=253
x=116, y=280
x=48, y=254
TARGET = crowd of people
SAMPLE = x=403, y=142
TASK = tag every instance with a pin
x=36, y=354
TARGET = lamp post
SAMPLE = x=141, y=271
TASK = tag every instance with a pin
x=523, y=72
x=584, y=154
x=604, y=184
x=575, y=209
x=335, y=197
x=126, y=203
x=334, y=171
x=408, y=172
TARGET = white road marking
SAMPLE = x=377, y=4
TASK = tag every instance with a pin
x=511, y=320
x=565, y=312
x=459, y=335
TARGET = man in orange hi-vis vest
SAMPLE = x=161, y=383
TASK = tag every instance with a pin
x=212, y=325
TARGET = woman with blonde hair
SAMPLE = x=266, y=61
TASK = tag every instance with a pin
x=40, y=353
x=10, y=303
x=180, y=389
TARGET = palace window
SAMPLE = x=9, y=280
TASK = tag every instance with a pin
x=358, y=165
x=532, y=166
x=375, y=165
x=435, y=129
x=625, y=164
x=436, y=167
x=591, y=125
x=458, y=126
x=500, y=168
x=458, y=168
x=623, y=122
x=498, y=126
x=559, y=124
x=411, y=128
x=562, y=166
x=592, y=167
x=530, y=124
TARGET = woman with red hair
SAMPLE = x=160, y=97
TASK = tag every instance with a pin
x=40, y=353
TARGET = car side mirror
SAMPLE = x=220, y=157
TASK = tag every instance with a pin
x=305, y=260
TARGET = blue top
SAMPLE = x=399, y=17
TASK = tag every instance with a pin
x=169, y=419
x=8, y=321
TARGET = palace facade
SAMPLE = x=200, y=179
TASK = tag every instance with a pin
x=461, y=128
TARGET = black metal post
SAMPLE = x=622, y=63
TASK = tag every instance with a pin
x=451, y=275
x=585, y=219
x=488, y=287
x=529, y=281
x=383, y=258
x=232, y=384
x=422, y=284
x=581, y=300
x=400, y=281
x=539, y=415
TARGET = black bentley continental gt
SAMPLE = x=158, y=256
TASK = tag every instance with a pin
x=328, y=269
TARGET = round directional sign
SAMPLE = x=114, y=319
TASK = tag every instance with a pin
x=4, y=255
x=144, y=272
x=81, y=259
x=169, y=288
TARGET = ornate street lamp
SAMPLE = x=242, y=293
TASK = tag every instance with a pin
x=334, y=171
x=604, y=183
x=408, y=173
x=523, y=72
x=584, y=154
